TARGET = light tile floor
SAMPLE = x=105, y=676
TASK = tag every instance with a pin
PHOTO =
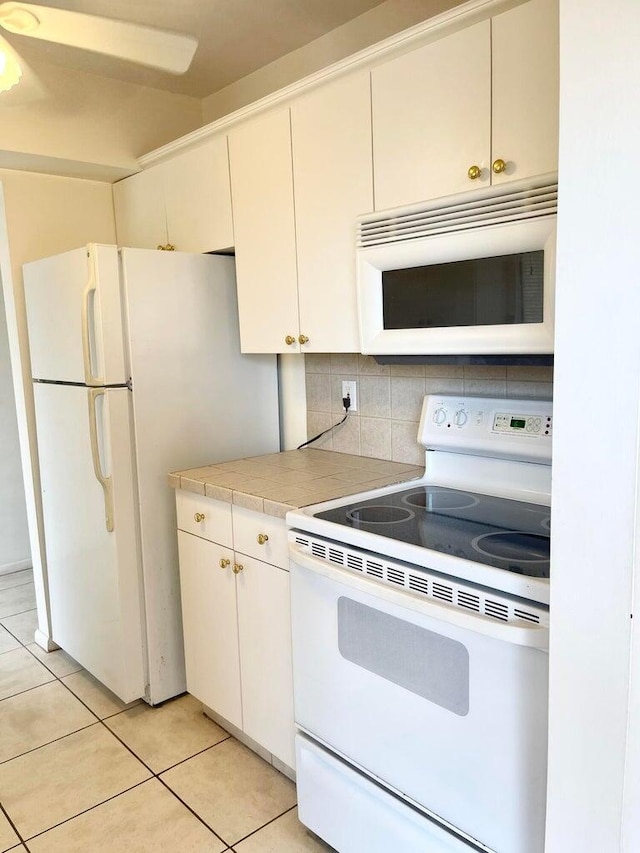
x=80, y=771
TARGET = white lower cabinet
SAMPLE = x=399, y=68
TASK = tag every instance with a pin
x=237, y=620
x=209, y=606
x=264, y=632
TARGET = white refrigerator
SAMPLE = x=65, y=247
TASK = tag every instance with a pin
x=137, y=371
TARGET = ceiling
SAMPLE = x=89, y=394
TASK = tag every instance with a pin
x=236, y=37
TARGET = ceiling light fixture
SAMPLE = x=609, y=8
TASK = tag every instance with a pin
x=10, y=71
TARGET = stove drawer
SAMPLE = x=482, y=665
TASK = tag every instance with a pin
x=352, y=813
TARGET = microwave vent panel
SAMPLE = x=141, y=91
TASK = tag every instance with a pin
x=458, y=213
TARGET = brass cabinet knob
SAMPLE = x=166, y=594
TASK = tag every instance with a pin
x=262, y=538
x=168, y=248
x=303, y=339
x=498, y=166
x=237, y=568
x=224, y=563
x=474, y=172
x=289, y=340
x=198, y=517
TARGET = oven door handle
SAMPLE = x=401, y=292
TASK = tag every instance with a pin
x=529, y=636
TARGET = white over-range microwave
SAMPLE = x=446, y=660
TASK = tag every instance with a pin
x=465, y=275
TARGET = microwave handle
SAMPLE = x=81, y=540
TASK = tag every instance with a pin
x=530, y=636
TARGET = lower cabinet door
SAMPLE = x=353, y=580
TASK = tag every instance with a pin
x=209, y=615
x=264, y=627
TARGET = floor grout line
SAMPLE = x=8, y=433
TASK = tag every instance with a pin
x=200, y=752
x=189, y=808
x=86, y=811
x=29, y=689
x=11, y=615
x=268, y=823
x=34, y=655
x=13, y=826
x=48, y=743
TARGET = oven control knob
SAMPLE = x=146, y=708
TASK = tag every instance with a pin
x=460, y=418
x=439, y=416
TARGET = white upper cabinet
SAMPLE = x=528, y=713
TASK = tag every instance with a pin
x=141, y=220
x=265, y=236
x=300, y=178
x=475, y=108
x=432, y=118
x=525, y=90
x=333, y=185
x=184, y=202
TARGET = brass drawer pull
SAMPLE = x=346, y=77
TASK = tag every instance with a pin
x=237, y=568
x=224, y=563
x=198, y=517
x=262, y=538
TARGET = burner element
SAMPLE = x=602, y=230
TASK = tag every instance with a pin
x=511, y=545
x=435, y=499
x=379, y=514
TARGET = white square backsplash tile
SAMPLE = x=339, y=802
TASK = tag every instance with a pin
x=375, y=437
x=406, y=398
x=390, y=399
x=374, y=397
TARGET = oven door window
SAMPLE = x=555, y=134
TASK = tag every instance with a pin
x=503, y=290
x=422, y=661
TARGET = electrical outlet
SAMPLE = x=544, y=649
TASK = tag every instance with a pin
x=350, y=388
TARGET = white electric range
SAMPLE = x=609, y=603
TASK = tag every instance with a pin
x=420, y=640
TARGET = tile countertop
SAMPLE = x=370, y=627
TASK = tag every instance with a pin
x=278, y=482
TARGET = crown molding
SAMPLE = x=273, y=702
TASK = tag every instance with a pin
x=429, y=30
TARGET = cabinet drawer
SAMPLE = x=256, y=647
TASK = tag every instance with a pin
x=204, y=517
x=271, y=547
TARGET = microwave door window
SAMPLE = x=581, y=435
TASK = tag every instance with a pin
x=502, y=290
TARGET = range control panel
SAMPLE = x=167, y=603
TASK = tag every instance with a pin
x=517, y=423
x=487, y=426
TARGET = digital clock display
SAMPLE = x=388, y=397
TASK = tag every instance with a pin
x=518, y=423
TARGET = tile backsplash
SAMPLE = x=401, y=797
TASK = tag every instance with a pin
x=390, y=399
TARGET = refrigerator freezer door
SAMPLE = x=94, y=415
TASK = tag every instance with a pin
x=74, y=317
x=93, y=572
x=196, y=400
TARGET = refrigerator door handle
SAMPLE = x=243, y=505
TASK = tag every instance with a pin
x=88, y=322
x=105, y=482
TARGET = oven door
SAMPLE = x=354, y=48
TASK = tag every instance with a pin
x=446, y=708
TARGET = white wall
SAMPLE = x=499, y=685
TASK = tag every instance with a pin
x=597, y=398
x=14, y=536
x=44, y=215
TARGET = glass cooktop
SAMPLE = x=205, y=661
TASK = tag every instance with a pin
x=499, y=532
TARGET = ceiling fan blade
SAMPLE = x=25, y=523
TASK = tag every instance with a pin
x=148, y=46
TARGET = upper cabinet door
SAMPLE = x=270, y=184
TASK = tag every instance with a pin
x=184, y=202
x=139, y=209
x=265, y=236
x=525, y=90
x=431, y=119
x=332, y=167
x=197, y=195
